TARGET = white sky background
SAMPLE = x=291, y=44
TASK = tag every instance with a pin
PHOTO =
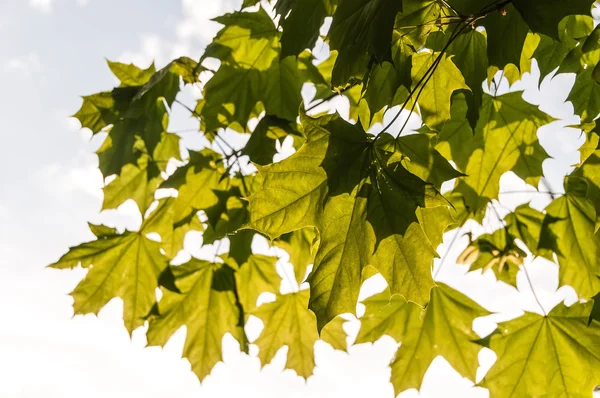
x=52, y=52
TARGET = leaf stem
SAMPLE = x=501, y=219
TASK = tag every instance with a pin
x=533, y=290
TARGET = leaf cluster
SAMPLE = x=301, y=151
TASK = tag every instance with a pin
x=356, y=197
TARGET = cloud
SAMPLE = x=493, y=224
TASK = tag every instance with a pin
x=62, y=182
x=192, y=34
x=44, y=6
x=153, y=48
x=25, y=67
x=196, y=23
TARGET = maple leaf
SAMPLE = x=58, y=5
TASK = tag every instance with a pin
x=301, y=246
x=505, y=139
x=124, y=265
x=434, y=101
x=568, y=230
x=348, y=193
x=251, y=71
x=172, y=233
x=540, y=355
x=196, y=183
x=205, y=303
x=371, y=23
x=354, y=200
x=288, y=322
x=445, y=328
x=135, y=111
x=333, y=334
x=256, y=276
x=469, y=54
x=139, y=182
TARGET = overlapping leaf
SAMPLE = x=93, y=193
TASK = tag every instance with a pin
x=340, y=184
x=434, y=101
x=251, y=71
x=361, y=29
x=204, y=302
x=135, y=110
x=505, y=140
x=139, y=182
x=196, y=183
x=349, y=203
x=258, y=275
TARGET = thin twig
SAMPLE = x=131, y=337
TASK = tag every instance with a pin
x=422, y=82
x=533, y=290
x=445, y=256
x=531, y=192
x=332, y=96
x=523, y=266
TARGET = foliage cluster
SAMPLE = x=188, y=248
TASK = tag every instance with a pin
x=349, y=203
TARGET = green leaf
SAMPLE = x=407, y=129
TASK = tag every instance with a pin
x=333, y=334
x=130, y=75
x=226, y=217
x=551, y=53
x=591, y=43
x=469, y=54
x=568, y=230
x=416, y=153
x=292, y=192
x=455, y=139
x=417, y=20
x=361, y=29
x=435, y=221
x=97, y=111
x=434, y=101
x=469, y=7
x=251, y=72
x=506, y=34
x=403, y=254
x=120, y=265
x=544, y=16
x=525, y=224
x=496, y=251
x=555, y=355
x=301, y=27
x=445, y=328
x=256, y=276
x=344, y=249
x=301, y=246
x=381, y=88
x=138, y=114
x=595, y=312
x=261, y=147
x=172, y=232
x=133, y=183
x=337, y=184
x=139, y=182
x=205, y=304
x=590, y=171
x=505, y=140
x=288, y=322
x=196, y=183
x=585, y=96
x=240, y=245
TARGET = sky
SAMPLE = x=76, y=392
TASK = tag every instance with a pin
x=54, y=51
